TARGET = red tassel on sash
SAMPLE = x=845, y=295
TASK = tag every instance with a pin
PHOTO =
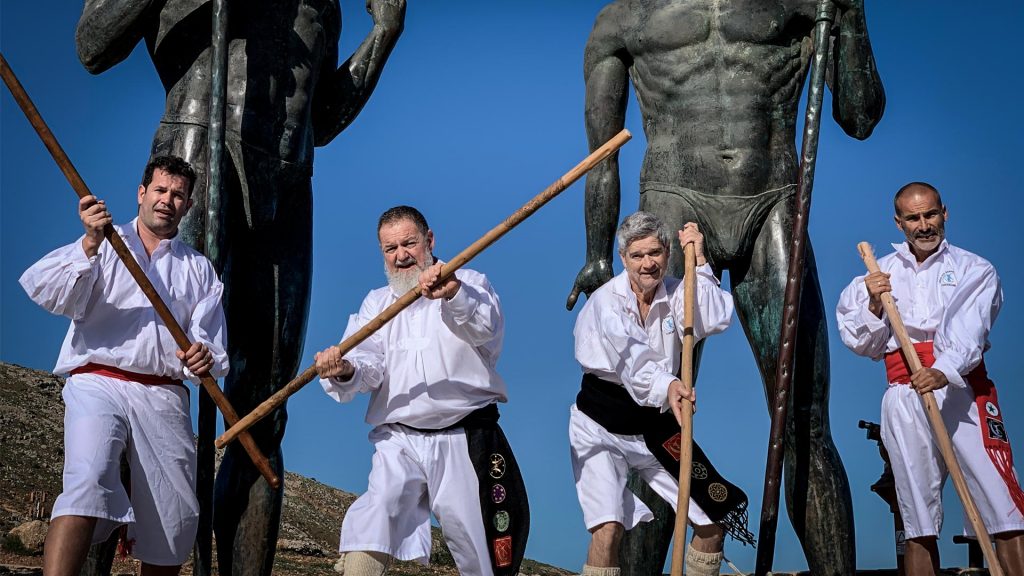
x=993, y=432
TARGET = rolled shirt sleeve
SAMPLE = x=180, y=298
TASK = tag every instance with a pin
x=860, y=330
x=962, y=336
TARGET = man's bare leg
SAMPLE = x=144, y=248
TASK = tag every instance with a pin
x=1010, y=550
x=921, y=556
x=604, y=546
x=67, y=545
x=704, y=555
x=153, y=570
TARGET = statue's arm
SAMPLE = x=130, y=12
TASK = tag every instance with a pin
x=606, y=75
x=858, y=98
x=108, y=30
x=341, y=93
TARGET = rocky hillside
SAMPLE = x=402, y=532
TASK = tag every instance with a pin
x=31, y=452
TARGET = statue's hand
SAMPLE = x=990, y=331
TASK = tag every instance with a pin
x=590, y=278
x=390, y=14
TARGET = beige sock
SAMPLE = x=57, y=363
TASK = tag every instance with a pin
x=362, y=564
x=702, y=563
x=589, y=570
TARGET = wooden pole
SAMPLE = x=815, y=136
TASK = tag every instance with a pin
x=180, y=338
x=281, y=396
x=931, y=408
x=826, y=14
x=686, y=432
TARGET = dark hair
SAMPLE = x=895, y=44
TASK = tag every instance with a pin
x=174, y=166
x=403, y=213
x=911, y=187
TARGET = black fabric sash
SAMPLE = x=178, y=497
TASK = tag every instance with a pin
x=611, y=406
x=503, y=503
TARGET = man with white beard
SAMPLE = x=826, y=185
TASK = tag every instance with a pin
x=434, y=390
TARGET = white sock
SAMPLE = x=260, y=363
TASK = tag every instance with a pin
x=702, y=563
x=589, y=570
x=362, y=564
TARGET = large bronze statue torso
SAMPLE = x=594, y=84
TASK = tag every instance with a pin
x=719, y=83
x=272, y=69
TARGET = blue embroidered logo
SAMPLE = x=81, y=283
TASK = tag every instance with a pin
x=947, y=279
x=669, y=325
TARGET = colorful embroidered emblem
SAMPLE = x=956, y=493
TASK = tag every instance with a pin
x=498, y=494
x=992, y=409
x=672, y=446
x=669, y=325
x=996, y=431
x=503, y=551
x=501, y=521
x=700, y=472
x=497, y=466
x=718, y=492
x=947, y=279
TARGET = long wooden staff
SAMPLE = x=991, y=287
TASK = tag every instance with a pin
x=826, y=15
x=935, y=418
x=279, y=398
x=686, y=435
x=180, y=338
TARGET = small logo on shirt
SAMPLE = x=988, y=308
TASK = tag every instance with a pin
x=669, y=325
x=947, y=279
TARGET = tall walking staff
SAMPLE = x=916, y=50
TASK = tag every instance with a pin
x=126, y=257
x=213, y=247
x=281, y=396
x=686, y=433
x=931, y=408
x=825, y=16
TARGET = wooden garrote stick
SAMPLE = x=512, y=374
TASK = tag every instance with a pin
x=180, y=338
x=686, y=436
x=279, y=398
x=935, y=418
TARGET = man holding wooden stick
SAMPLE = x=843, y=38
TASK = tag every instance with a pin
x=434, y=391
x=948, y=299
x=628, y=342
x=125, y=394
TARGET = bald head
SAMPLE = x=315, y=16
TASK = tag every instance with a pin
x=913, y=190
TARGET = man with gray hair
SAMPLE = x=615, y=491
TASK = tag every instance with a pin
x=628, y=341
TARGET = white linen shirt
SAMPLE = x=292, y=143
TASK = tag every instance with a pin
x=433, y=363
x=112, y=321
x=613, y=344
x=952, y=299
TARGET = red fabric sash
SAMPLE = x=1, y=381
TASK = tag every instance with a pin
x=993, y=432
x=128, y=376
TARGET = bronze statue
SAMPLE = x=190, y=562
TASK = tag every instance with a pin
x=719, y=82
x=285, y=95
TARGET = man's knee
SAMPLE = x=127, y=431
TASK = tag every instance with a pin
x=362, y=564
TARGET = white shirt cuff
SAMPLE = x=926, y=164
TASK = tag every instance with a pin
x=945, y=365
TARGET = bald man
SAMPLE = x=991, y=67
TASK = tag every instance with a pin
x=948, y=299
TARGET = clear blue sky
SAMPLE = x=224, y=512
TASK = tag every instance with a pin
x=480, y=108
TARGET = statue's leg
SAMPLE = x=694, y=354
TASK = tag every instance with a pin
x=189, y=142
x=817, y=490
x=267, y=282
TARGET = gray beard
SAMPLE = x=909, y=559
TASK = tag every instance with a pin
x=401, y=281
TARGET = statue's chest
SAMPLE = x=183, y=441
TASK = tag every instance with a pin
x=685, y=23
